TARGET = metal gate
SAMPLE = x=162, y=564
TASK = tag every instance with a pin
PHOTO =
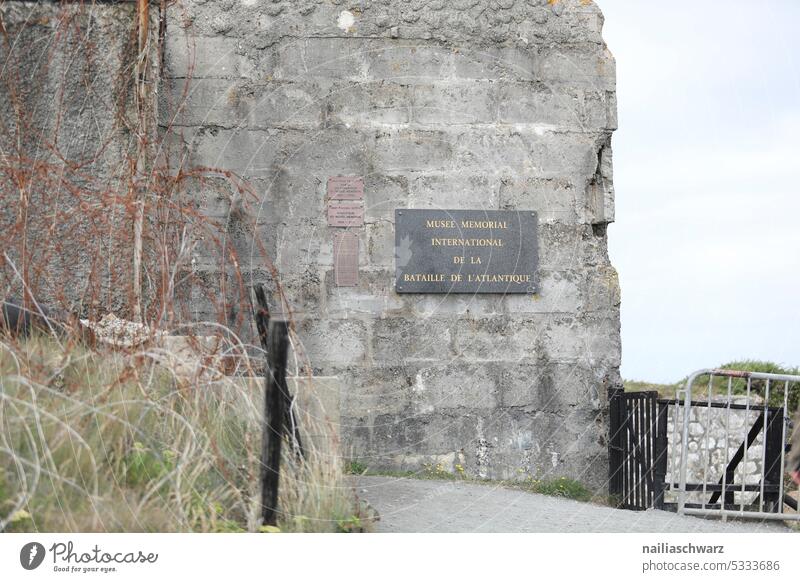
x=634, y=451
x=761, y=494
x=740, y=473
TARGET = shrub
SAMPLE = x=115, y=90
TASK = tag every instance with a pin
x=758, y=387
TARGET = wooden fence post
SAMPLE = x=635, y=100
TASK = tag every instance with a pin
x=262, y=315
x=274, y=427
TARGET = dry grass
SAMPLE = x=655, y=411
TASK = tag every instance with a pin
x=93, y=441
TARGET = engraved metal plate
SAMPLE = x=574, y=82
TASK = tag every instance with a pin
x=346, y=213
x=345, y=259
x=345, y=188
x=466, y=251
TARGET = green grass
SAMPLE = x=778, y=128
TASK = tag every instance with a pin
x=664, y=390
x=355, y=467
x=719, y=385
x=433, y=471
x=556, y=487
x=94, y=441
x=559, y=487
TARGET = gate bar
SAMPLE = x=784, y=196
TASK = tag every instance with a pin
x=768, y=423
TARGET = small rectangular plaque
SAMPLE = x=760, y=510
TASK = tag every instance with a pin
x=345, y=188
x=345, y=258
x=346, y=213
x=465, y=251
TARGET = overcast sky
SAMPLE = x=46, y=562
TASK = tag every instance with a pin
x=707, y=178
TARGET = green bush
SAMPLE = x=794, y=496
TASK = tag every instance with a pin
x=719, y=385
x=758, y=387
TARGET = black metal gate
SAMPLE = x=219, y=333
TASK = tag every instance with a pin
x=638, y=449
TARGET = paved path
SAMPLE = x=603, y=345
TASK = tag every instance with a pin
x=415, y=505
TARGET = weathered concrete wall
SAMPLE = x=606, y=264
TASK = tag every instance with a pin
x=504, y=104
x=65, y=76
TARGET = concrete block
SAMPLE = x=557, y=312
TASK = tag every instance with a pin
x=369, y=104
x=380, y=250
x=374, y=296
x=382, y=194
x=330, y=152
x=302, y=292
x=525, y=151
x=554, y=106
x=590, y=341
x=201, y=57
x=603, y=340
x=565, y=247
x=209, y=101
x=460, y=384
x=583, y=66
x=412, y=150
x=565, y=340
x=602, y=290
x=479, y=305
x=375, y=391
x=472, y=102
x=396, y=340
x=536, y=103
x=245, y=152
x=553, y=199
x=332, y=343
x=547, y=387
x=404, y=62
x=295, y=105
x=559, y=292
x=296, y=197
x=482, y=62
x=453, y=189
x=498, y=339
x=322, y=58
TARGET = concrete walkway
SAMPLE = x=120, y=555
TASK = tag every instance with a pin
x=415, y=505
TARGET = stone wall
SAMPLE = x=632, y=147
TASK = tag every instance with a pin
x=474, y=105
x=471, y=104
x=715, y=435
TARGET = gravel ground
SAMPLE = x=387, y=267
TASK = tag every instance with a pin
x=415, y=505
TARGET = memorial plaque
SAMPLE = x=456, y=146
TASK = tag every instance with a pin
x=346, y=213
x=465, y=251
x=345, y=188
x=345, y=259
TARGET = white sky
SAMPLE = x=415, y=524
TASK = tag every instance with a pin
x=707, y=178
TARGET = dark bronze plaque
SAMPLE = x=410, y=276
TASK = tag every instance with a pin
x=346, y=188
x=465, y=251
x=345, y=259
